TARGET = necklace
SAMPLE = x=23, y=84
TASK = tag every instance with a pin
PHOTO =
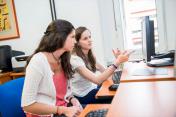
x=56, y=65
x=58, y=60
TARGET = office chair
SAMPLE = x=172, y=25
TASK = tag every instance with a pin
x=10, y=98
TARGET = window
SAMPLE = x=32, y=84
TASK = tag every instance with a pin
x=134, y=11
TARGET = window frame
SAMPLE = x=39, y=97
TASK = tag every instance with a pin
x=162, y=33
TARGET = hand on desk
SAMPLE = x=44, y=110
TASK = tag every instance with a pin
x=72, y=111
x=76, y=103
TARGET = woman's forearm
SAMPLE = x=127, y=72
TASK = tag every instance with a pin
x=106, y=74
x=100, y=67
x=40, y=109
x=86, y=73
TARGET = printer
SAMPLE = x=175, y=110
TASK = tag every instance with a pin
x=160, y=60
x=19, y=63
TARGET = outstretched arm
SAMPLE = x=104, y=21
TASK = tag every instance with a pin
x=86, y=73
x=100, y=67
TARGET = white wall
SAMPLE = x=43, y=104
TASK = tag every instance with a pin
x=166, y=17
x=107, y=25
x=170, y=16
x=111, y=27
x=33, y=17
x=83, y=13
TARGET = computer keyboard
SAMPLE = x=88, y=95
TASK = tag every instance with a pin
x=97, y=113
x=116, y=77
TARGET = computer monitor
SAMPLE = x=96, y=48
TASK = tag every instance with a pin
x=175, y=61
x=148, y=40
x=5, y=58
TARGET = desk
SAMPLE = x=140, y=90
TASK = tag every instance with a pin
x=91, y=107
x=144, y=99
x=4, y=77
x=104, y=92
x=127, y=77
x=16, y=75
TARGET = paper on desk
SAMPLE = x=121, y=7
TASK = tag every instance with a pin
x=149, y=71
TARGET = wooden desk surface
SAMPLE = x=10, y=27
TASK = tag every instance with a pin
x=4, y=77
x=17, y=74
x=144, y=99
x=4, y=74
x=104, y=92
x=128, y=77
x=91, y=107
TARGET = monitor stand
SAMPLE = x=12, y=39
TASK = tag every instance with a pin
x=161, y=62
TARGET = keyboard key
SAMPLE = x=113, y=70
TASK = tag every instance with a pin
x=97, y=113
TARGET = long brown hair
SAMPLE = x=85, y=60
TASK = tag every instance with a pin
x=53, y=39
x=90, y=60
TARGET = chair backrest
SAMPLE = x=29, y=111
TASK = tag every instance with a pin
x=10, y=98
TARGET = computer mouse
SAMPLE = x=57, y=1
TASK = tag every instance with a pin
x=113, y=87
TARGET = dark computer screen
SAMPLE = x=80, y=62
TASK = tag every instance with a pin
x=148, y=41
x=175, y=61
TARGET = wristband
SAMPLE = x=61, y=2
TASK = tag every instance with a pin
x=114, y=66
